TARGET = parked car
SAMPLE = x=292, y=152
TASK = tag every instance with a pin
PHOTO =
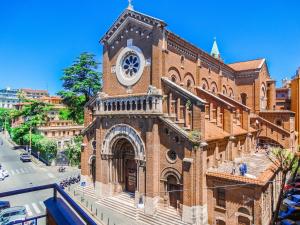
x=293, y=191
x=289, y=222
x=4, y=172
x=289, y=212
x=12, y=215
x=2, y=177
x=292, y=185
x=25, y=157
x=292, y=200
x=4, y=205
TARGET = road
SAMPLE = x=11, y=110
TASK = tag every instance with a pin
x=29, y=174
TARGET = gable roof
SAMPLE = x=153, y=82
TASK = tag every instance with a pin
x=133, y=15
x=248, y=65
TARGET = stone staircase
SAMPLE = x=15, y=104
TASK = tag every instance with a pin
x=88, y=190
x=124, y=204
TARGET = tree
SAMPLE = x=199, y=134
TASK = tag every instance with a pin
x=5, y=118
x=74, y=151
x=47, y=148
x=81, y=81
x=35, y=114
x=284, y=160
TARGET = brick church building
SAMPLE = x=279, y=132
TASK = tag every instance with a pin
x=175, y=126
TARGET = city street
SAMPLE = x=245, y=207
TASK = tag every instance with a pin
x=28, y=174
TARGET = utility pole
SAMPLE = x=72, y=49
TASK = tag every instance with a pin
x=30, y=139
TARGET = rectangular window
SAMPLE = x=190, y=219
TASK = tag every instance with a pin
x=221, y=197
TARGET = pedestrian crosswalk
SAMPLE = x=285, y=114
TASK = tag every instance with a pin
x=26, y=170
x=23, y=170
x=35, y=209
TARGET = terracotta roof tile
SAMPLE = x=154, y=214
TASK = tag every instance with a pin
x=247, y=65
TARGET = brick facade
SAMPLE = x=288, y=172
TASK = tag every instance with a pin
x=188, y=112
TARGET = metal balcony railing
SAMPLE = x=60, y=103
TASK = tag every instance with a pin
x=82, y=215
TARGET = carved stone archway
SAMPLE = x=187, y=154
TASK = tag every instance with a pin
x=123, y=131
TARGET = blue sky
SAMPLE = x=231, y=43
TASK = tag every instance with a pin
x=40, y=38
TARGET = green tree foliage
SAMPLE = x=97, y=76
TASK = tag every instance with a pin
x=35, y=114
x=47, y=148
x=65, y=114
x=5, y=118
x=74, y=151
x=81, y=81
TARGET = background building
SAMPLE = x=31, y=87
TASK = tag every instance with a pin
x=8, y=98
x=33, y=94
x=295, y=100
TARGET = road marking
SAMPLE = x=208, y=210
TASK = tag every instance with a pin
x=36, y=208
x=29, y=213
x=42, y=204
x=17, y=171
x=12, y=172
x=22, y=170
x=50, y=175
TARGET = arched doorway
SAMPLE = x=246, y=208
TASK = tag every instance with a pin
x=244, y=98
x=92, y=163
x=175, y=191
x=124, y=165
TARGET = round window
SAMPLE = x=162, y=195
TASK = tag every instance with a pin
x=130, y=65
x=172, y=155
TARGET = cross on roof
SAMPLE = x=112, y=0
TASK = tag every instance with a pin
x=130, y=6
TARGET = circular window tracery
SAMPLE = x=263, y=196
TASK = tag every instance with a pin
x=131, y=65
x=171, y=156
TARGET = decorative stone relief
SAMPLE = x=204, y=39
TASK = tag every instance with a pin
x=123, y=131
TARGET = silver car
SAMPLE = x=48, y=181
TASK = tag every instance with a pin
x=12, y=215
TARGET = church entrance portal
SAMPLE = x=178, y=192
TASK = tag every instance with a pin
x=124, y=171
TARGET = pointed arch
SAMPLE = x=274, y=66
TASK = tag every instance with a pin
x=214, y=87
x=204, y=84
x=174, y=75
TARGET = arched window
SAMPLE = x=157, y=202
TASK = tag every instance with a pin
x=263, y=97
x=174, y=75
x=224, y=90
x=244, y=98
x=189, y=81
x=204, y=84
x=173, y=79
x=214, y=87
x=231, y=95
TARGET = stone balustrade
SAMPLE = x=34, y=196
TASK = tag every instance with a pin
x=143, y=104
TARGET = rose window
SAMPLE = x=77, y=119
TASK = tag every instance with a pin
x=131, y=65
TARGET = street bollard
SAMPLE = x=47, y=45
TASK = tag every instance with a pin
x=86, y=204
x=96, y=212
x=107, y=221
x=101, y=216
x=91, y=208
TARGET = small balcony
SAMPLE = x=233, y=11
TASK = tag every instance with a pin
x=140, y=104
